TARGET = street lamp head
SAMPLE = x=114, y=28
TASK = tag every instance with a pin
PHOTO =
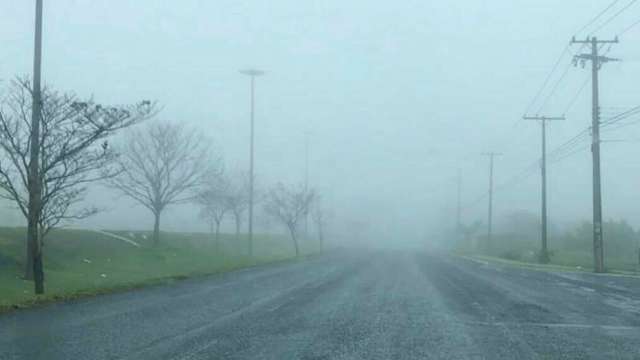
x=252, y=72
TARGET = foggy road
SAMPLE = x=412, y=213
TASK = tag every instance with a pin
x=366, y=305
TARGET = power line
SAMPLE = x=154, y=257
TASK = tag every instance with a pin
x=554, y=88
x=622, y=125
x=519, y=177
x=597, y=16
x=613, y=16
x=570, y=143
x=559, y=81
x=577, y=95
x=548, y=77
x=574, y=145
x=575, y=151
x=567, y=152
x=531, y=168
x=625, y=30
x=621, y=116
x=558, y=60
x=514, y=180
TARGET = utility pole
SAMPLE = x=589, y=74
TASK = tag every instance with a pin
x=459, y=205
x=34, y=208
x=544, y=251
x=596, y=64
x=306, y=181
x=253, y=73
x=491, y=155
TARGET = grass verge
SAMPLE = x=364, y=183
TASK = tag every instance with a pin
x=81, y=263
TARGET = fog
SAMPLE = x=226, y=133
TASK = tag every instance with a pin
x=396, y=97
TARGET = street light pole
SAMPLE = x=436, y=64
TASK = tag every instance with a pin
x=253, y=73
x=544, y=251
x=306, y=181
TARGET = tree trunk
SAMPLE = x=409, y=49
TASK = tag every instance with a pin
x=35, y=268
x=156, y=229
x=237, y=217
x=38, y=270
x=28, y=264
x=295, y=241
x=217, y=236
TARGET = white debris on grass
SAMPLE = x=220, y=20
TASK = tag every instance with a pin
x=114, y=236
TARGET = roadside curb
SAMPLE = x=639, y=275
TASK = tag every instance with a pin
x=488, y=260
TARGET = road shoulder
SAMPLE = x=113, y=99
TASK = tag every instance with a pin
x=496, y=261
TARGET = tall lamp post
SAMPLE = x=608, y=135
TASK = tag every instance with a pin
x=253, y=73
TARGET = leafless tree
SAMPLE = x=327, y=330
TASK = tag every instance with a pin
x=162, y=164
x=73, y=152
x=238, y=199
x=289, y=205
x=214, y=203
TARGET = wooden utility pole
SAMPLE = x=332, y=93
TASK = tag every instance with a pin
x=596, y=64
x=491, y=155
x=544, y=251
x=306, y=181
x=34, y=208
x=459, y=203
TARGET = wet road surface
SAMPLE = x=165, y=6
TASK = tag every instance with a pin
x=377, y=304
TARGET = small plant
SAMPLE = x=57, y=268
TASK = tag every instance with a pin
x=511, y=255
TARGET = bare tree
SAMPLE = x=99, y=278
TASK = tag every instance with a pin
x=214, y=203
x=73, y=152
x=289, y=205
x=162, y=164
x=238, y=199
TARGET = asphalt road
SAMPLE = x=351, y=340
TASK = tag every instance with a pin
x=365, y=305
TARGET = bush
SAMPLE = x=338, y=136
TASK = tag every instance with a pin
x=511, y=255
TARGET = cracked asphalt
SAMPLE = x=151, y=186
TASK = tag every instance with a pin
x=373, y=304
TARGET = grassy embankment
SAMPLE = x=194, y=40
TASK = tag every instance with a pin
x=81, y=262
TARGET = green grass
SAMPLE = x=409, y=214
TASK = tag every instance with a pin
x=584, y=259
x=566, y=262
x=82, y=262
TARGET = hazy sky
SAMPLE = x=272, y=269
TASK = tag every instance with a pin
x=396, y=95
